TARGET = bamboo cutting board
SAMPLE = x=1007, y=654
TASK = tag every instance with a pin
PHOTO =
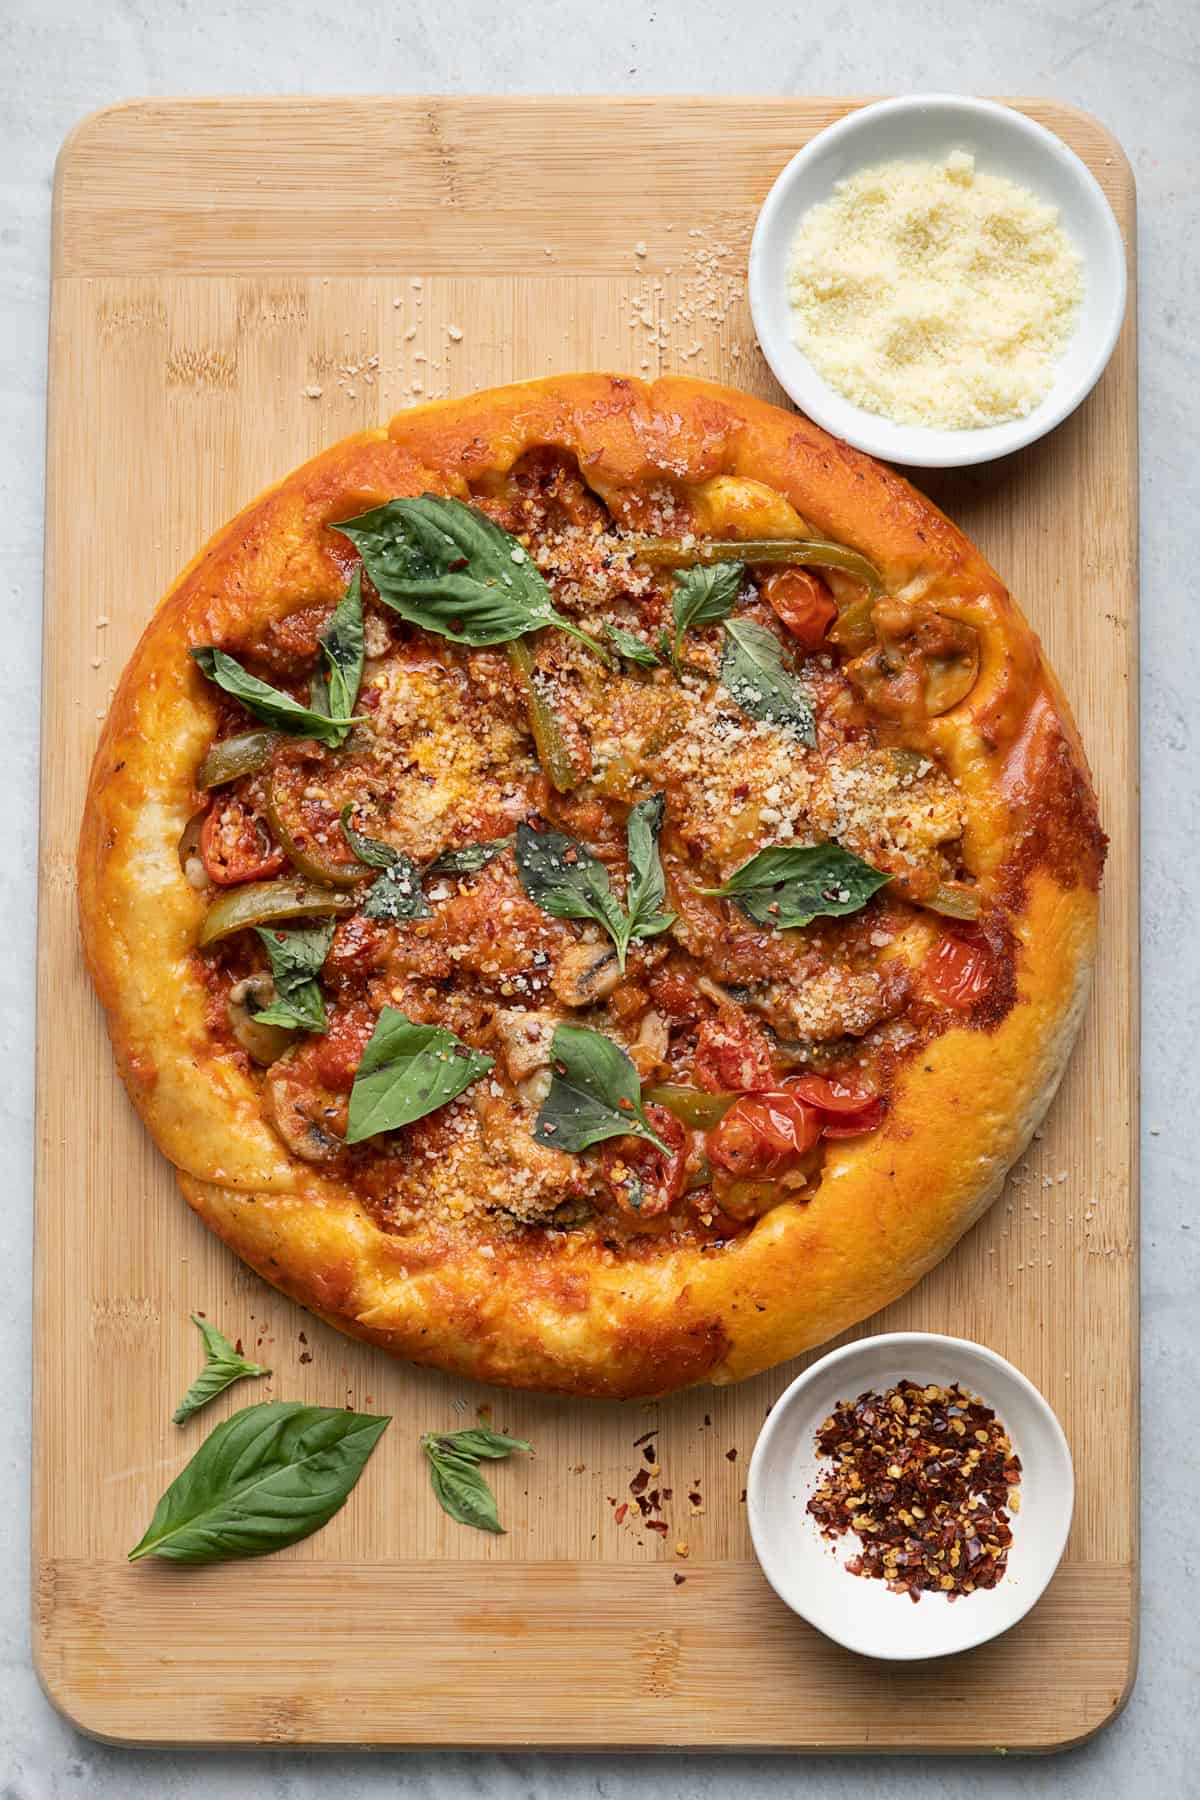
x=236, y=284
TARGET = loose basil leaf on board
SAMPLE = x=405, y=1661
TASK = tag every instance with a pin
x=223, y=1365
x=397, y=895
x=704, y=595
x=647, y=888
x=267, y=1477
x=450, y=569
x=469, y=859
x=567, y=881
x=594, y=1094
x=755, y=675
x=454, y=1474
x=786, y=886
x=267, y=703
x=297, y=954
x=406, y=1071
x=631, y=649
x=342, y=646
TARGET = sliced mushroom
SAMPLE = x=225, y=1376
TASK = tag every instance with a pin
x=297, y=1113
x=586, y=974
x=652, y=1045
x=263, y=1044
x=525, y=1040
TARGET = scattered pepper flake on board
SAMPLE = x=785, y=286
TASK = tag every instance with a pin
x=922, y=1475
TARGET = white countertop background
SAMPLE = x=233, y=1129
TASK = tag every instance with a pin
x=1136, y=64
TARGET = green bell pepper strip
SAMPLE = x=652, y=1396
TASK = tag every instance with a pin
x=544, y=723
x=266, y=903
x=231, y=757
x=670, y=553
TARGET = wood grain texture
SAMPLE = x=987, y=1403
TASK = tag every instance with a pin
x=215, y=261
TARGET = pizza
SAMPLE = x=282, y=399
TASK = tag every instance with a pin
x=591, y=886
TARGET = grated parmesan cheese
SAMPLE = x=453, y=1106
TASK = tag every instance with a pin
x=933, y=294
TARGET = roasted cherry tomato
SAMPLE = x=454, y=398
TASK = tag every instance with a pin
x=236, y=846
x=644, y=1181
x=845, y=1111
x=732, y=1055
x=958, y=972
x=802, y=603
x=762, y=1133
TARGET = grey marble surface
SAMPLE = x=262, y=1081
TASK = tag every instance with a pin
x=1135, y=63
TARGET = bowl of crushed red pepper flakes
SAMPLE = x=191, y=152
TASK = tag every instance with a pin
x=911, y=1466
x=925, y=1477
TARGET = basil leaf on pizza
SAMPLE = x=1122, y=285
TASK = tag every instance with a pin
x=595, y=1093
x=297, y=954
x=755, y=675
x=408, y=1070
x=267, y=703
x=646, y=889
x=397, y=894
x=704, y=595
x=469, y=859
x=343, y=647
x=455, y=1477
x=450, y=569
x=786, y=886
x=567, y=881
x=270, y=1475
x=631, y=649
x=223, y=1365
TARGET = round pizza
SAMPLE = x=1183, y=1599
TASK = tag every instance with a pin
x=592, y=885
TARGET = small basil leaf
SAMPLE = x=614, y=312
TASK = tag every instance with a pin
x=267, y=703
x=450, y=569
x=567, y=881
x=342, y=646
x=406, y=1071
x=470, y=858
x=463, y=1493
x=647, y=886
x=478, y=1441
x=755, y=675
x=265, y=1478
x=397, y=895
x=297, y=954
x=369, y=850
x=223, y=1365
x=786, y=886
x=704, y=595
x=631, y=649
x=594, y=1094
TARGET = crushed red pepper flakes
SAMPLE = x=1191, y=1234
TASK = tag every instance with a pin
x=922, y=1475
x=679, y=1579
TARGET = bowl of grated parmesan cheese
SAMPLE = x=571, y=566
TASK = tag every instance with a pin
x=937, y=280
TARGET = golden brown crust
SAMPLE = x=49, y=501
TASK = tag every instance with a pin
x=890, y=1204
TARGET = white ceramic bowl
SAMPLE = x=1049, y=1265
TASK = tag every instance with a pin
x=928, y=127
x=809, y=1573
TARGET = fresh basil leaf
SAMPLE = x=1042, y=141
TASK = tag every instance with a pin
x=450, y=569
x=567, y=881
x=223, y=1365
x=470, y=859
x=267, y=703
x=397, y=895
x=786, y=886
x=631, y=649
x=594, y=1094
x=265, y=1478
x=460, y=1488
x=647, y=888
x=297, y=954
x=704, y=595
x=342, y=645
x=755, y=675
x=462, y=1492
x=408, y=1070
x=478, y=1441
